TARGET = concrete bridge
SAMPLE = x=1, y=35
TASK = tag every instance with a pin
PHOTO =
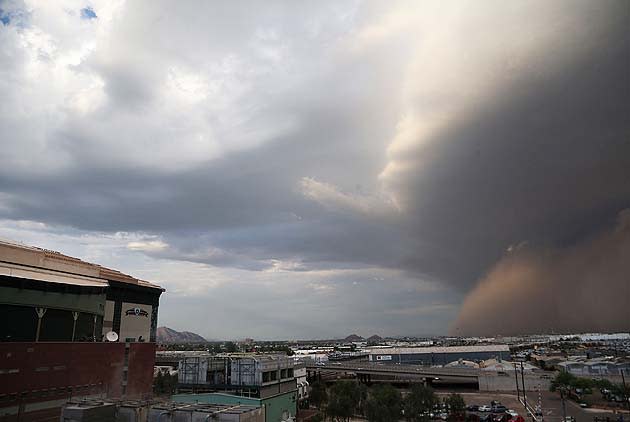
x=369, y=372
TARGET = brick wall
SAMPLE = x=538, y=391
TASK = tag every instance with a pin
x=36, y=375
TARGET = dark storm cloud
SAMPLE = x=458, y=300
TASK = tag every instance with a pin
x=579, y=288
x=546, y=159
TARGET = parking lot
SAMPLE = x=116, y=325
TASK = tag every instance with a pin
x=551, y=405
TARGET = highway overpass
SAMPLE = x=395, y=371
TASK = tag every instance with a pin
x=374, y=372
x=369, y=372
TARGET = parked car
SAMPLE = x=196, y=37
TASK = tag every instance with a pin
x=473, y=408
x=484, y=408
x=499, y=408
x=512, y=413
x=500, y=417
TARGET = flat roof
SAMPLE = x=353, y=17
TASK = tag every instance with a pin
x=445, y=349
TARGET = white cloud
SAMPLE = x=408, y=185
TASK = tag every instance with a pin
x=332, y=198
x=147, y=245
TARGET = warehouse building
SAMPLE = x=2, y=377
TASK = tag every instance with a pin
x=55, y=311
x=438, y=355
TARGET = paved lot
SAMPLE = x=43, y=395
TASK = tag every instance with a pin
x=551, y=405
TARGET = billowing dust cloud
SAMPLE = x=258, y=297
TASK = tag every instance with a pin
x=585, y=287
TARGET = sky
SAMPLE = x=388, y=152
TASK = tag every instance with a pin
x=290, y=170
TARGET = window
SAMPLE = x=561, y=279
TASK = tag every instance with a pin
x=17, y=323
x=56, y=325
x=267, y=376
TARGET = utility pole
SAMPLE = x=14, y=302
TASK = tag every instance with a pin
x=523, y=380
x=518, y=393
x=539, y=405
x=564, y=407
x=625, y=389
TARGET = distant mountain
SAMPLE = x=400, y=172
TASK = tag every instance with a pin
x=168, y=335
x=374, y=339
x=353, y=337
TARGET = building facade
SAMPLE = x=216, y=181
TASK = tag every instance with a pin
x=55, y=314
x=438, y=355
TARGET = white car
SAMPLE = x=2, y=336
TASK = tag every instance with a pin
x=485, y=408
x=511, y=413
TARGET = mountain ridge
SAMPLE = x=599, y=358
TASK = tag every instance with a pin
x=168, y=335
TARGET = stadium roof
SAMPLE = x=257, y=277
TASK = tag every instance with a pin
x=17, y=260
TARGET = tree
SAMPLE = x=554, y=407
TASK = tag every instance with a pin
x=384, y=404
x=563, y=380
x=362, y=392
x=230, y=347
x=158, y=383
x=164, y=383
x=566, y=381
x=318, y=396
x=456, y=406
x=170, y=383
x=419, y=403
x=343, y=400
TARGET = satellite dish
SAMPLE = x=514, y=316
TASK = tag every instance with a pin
x=111, y=336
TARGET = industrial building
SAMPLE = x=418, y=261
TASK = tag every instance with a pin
x=206, y=412
x=154, y=411
x=300, y=374
x=270, y=381
x=55, y=311
x=438, y=355
x=248, y=375
x=595, y=367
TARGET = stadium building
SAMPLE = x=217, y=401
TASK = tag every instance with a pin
x=69, y=329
